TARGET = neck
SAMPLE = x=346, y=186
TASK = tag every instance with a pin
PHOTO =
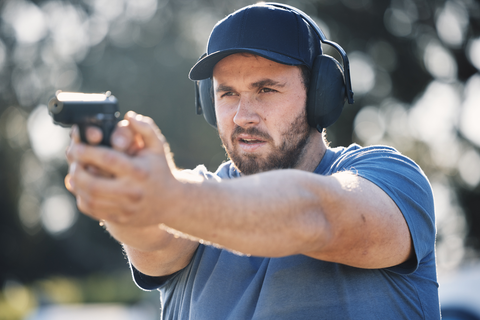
x=313, y=152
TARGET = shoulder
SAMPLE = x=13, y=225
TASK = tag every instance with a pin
x=368, y=159
x=354, y=152
x=386, y=167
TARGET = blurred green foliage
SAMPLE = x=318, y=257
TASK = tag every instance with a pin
x=17, y=301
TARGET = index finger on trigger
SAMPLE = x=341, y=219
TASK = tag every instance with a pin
x=74, y=139
x=75, y=134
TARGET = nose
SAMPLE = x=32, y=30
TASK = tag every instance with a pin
x=247, y=113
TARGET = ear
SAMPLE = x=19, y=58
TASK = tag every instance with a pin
x=326, y=95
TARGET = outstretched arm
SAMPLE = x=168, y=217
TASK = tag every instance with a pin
x=341, y=218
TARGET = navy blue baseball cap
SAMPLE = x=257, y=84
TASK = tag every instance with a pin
x=272, y=32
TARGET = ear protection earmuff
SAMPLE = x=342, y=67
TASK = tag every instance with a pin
x=330, y=84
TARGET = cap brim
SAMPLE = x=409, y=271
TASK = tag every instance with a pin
x=203, y=69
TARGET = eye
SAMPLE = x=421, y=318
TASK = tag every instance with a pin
x=266, y=90
x=227, y=94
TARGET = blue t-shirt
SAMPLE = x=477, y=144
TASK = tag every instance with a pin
x=218, y=284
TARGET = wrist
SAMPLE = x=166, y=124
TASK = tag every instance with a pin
x=143, y=239
x=183, y=200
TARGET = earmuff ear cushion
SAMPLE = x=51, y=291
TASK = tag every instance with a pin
x=326, y=95
x=205, y=100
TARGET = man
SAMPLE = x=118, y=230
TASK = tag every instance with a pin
x=289, y=228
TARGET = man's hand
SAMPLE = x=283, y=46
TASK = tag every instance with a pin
x=126, y=186
x=131, y=182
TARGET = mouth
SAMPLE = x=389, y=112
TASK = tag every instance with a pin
x=250, y=141
x=249, y=144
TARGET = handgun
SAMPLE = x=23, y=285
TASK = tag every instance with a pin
x=85, y=109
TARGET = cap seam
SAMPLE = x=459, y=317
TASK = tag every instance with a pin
x=299, y=45
x=241, y=34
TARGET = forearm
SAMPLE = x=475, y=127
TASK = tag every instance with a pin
x=162, y=262
x=150, y=238
x=269, y=214
x=152, y=250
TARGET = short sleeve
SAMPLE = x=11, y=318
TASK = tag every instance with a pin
x=406, y=184
x=148, y=282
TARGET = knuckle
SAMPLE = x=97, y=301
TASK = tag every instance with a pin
x=136, y=195
x=140, y=173
x=69, y=184
x=147, y=119
x=111, y=159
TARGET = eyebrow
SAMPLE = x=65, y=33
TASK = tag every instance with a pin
x=259, y=84
x=267, y=83
x=223, y=88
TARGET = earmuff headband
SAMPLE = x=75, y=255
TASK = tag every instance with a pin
x=323, y=39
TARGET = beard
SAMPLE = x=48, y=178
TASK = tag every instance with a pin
x=286, y=155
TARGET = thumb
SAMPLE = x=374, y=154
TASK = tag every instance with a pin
x=148, y=130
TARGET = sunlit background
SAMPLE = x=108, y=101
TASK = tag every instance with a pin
x=415, y=73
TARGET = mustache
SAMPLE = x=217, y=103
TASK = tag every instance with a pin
x=250, y=131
